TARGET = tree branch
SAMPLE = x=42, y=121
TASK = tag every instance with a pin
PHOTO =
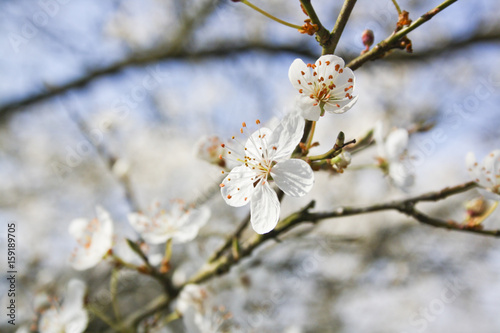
x=342, y=19
x=227, y=50
x=391, y=42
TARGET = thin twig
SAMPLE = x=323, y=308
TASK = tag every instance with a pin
x=340, y=24
x=392, y=41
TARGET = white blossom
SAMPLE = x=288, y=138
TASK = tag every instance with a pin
x=198, y=315
x=486, y=174
x=325, y=86
x=71, y=316
x=209, y=149
x=179, y=223
x=267, y=154
x=94, y=237
x=392, y=155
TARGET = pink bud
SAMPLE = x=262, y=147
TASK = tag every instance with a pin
x=367, y=38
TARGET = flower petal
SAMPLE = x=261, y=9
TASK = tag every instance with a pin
x=299, y=74
x=326, y=67
x=265, y=209
x=237, y=188
x=307, y=108
x=401, y=176
x=294, y=177
x=285, y=137
x=396, y=144
x=491, y=165
x=195, y=219
x=73, y=313
x=340, y=106
x=257, y=143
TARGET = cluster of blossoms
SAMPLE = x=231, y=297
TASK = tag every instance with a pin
x=267, y=154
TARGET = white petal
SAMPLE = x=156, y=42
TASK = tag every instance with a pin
x=396, y=144
x=238, y=186
x=73, y=313
x=299, y=74
x=492, y=167
x=340, y=106
x=307, y=108
x=105, y=221
x=473, y=168
x=77, y=227
x=196, y=218
x=328, y=68
x=285, y=137
x=401, y=176
x=294, y=177
x=265, y=209
x=257, y=143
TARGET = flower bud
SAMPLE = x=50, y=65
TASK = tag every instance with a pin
x=340, y=162
x=367, y=37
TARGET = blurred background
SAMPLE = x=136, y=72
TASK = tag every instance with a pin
x=103, y=103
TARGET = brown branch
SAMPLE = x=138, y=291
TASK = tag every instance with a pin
x=322, y=34
x=392, y=41
x=342, y=19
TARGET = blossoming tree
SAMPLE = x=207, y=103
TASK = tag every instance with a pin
x=261, y=167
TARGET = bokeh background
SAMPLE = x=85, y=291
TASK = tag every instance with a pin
x=103, y=103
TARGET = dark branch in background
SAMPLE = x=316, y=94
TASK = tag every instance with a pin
x=226, y=50
x=108, y=159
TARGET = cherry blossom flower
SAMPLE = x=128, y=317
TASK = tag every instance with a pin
x=209, y=149
x=265, y=155
x=71, y=316
x=392, y=156
x=328, y=88
x=180, y=224
x=486, y=174
x=197, y=314
x=95, y=239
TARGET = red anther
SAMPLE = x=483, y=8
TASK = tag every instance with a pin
x=299, y=81
x=223, y=145
x=350, y=80
x=337, y=66
x=220, y=156
x=302, y=72
x=229, y=196
x=221, y=185
x=243, y=124
x=301, y=91
x=327, y=63
x=257, y=121
x=341, y=71
x=330, y=77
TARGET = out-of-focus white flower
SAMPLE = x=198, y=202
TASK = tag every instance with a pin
x=486, y=174
x=180, y=224
x=71, y=316
x=197, y=314
x=392, y=155
x=267, y=153
x=328, y=87
x=94, y=237
x=209, y=149
x=341, y=161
